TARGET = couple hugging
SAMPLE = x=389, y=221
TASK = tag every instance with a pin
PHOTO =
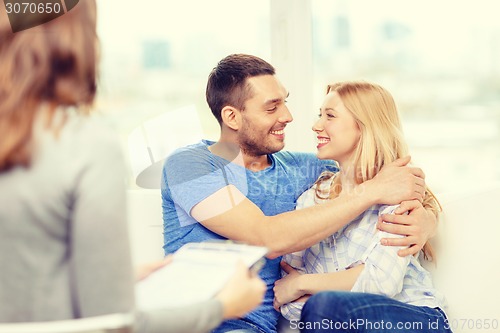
x=342, y=226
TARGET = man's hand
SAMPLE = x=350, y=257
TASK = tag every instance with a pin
x=418, y=227
x=396, y=182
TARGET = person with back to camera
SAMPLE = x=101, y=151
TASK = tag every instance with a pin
x=357, y=284
x=244, y=188
x=64, y=248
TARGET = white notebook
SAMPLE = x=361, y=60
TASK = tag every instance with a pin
x=197, y=272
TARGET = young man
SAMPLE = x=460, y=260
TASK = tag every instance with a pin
x=244, y=188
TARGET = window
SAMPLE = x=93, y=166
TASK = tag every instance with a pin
x=440, y=60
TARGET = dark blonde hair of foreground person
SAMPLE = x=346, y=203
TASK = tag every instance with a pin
x=53, y=63
x=64, y=248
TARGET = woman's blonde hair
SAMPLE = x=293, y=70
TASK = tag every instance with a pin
x=54, y=64
x=381, y=139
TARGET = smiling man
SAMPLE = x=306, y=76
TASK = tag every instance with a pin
x=244, y=187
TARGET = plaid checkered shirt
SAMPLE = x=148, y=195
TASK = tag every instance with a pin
x=385, y=273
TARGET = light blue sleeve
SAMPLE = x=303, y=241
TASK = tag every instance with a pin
x=193, y=174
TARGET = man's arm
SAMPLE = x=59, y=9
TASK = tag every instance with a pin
x=230, y=214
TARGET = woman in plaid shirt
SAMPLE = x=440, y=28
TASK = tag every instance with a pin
x=358, y=284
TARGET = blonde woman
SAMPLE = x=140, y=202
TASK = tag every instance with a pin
x=358, y=284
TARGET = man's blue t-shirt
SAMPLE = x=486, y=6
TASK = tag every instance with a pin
x=193, y=173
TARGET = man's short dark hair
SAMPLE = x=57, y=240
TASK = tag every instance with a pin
x=227, y=83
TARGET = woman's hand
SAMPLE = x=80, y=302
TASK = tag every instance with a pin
x=242, y=293
x=419, y=225
x=145, y=270
x=286, y=289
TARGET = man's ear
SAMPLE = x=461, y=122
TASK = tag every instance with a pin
x=231, y=117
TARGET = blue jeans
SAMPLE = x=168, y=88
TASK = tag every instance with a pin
x=335, y=311
x=237, y=326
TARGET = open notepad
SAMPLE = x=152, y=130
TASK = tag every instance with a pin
x=197, y=272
